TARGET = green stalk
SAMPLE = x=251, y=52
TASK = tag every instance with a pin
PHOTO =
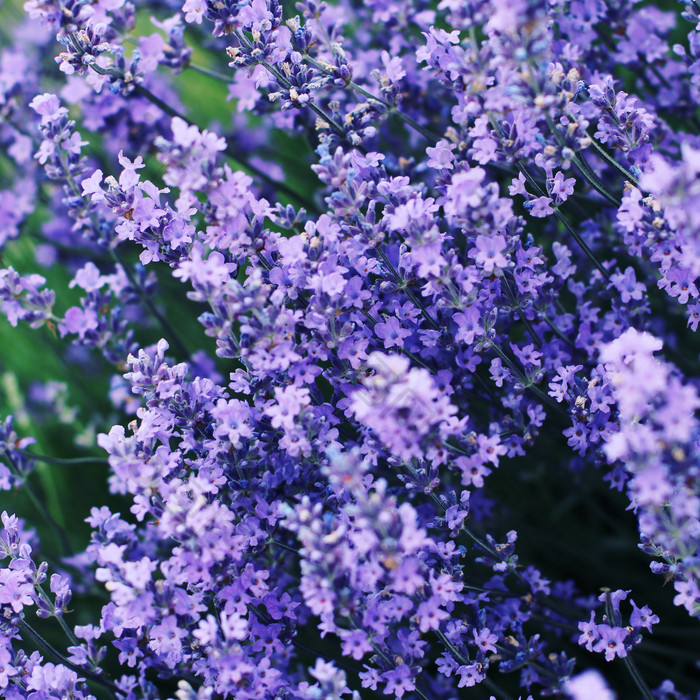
x=164, y=323
x=210, y=73
x=75, y=461
x=609, y=159
x=637, y=678
x=40, y=506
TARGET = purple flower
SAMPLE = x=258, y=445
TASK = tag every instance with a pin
x=469, y=675
x=47, y=106
x=15, y=590
x=381, y=328
x=489, y=253
x=7, y=671
x=642, y=617
x=166, y=640
x=561, y=188
x=398, y=681
x=464, y=191
x=468, y=325
x=430, y=614
x=589, y=633
x=611, y=641
x=540, y=207
x=129, y=652
x=356, y=644
x=289, y=402
x=370, y=678
x=485, y=640
x=391, y=333
x=628, y=286
x=78, y=321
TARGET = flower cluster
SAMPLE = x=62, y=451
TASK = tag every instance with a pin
x=432, y=274
x=611, y=638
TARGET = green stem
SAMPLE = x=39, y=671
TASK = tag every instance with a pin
x=237, y=157
x=453, y=649
x=61, y=622
x=487, y=388
x=39, y=505
x=164, y=323
x=609, y=159
x=577, y=159
x=587, y=171
x=281, y=545
x=637, y=678
x=414, y=358
x=210, y=73
x=535, y=338
x=163, y=106
x=557, y=332
x=75, y=461
x=581, y=243
x=478, y=541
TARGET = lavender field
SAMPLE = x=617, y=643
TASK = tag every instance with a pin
x=349, y=349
